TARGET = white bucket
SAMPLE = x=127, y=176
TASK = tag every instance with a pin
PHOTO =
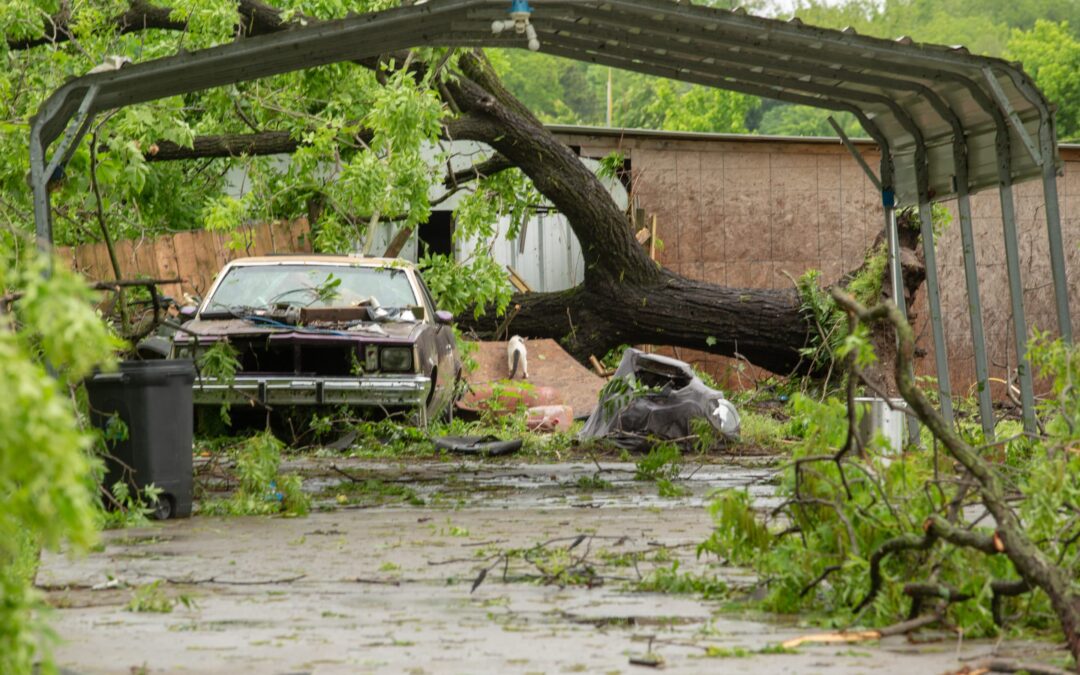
x=887, y=417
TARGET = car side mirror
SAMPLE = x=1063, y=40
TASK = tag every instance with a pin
x=188, y=311
x=444, y=317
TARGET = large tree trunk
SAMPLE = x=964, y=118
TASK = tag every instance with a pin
x=764, y=326
x=625, y=298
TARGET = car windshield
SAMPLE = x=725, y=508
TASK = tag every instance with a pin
x=268, y=286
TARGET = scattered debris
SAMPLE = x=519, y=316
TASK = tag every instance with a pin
x=486, y=446
x=650, y=660
x=599, y=367
x=505, y=397
x=832, y=638
x=845, y=637
x=548, y=418
x=1008, y=666
x=518, y=281
x=555, y=377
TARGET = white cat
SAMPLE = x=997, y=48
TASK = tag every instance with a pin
x=516, y=357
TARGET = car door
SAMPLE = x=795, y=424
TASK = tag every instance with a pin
x=446, y=346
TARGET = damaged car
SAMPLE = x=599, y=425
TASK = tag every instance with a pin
x=325, y=330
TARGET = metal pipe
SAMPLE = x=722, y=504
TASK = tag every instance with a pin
x=41, y=174
x=40, y=186
x=854, y=153
x=978, y=336
x=896, y=273
x=1047, y=137
x=1016, y=292
x=1053, y=230
x=933, y=296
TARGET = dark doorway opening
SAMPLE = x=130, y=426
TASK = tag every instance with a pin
x=437, y=234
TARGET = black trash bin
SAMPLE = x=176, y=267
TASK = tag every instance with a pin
x=153, y=398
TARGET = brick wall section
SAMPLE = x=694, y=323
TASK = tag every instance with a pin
x=749, y=211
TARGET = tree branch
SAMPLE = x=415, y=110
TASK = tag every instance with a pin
x=140, y=15
x=225, y=145
x=253, y=18
x=1034, y=566
x=488, y=167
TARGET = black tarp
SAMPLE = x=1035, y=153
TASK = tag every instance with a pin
x=656, y=397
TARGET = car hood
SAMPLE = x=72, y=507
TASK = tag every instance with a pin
x=389, y=331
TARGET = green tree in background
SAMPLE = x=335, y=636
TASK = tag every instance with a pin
x=696, y=108
x=562, y=91
x=1050, y=53
x=1033, y=31
x=783, y=119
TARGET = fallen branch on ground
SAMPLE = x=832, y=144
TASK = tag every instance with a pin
x=844, y=637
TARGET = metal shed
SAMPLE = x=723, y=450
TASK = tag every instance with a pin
x=948, y=123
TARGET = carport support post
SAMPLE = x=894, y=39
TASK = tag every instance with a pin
x=896, y=274
x=41, y=174
x=1053, y=227
x=39, y=183
x=933, y=296
x=978, y=337
x=1016, y=295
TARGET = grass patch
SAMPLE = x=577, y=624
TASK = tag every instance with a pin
x=594, y=482
x=762, y=430
x=671, y=580
x=152, y=598
x=743, y=652
x=372, y=492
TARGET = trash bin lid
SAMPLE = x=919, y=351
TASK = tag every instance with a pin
x=156, y=370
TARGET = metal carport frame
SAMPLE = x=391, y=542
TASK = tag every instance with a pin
x=947, y=123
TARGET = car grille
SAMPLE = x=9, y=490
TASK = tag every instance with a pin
x=263, y=357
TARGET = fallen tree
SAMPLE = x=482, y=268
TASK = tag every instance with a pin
x=625, y=297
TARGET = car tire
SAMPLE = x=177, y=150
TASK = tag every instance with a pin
x=163, y=508
x=485, y=446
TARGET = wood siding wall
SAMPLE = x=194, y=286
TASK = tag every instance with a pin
x=195, y=256
x=751, y=212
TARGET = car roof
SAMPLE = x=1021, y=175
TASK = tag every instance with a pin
x=322, y=259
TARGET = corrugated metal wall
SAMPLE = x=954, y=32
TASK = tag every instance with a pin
x=550, y=259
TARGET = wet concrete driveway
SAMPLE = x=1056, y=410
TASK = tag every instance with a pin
x=386, y=588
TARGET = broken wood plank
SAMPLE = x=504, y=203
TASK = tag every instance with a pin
x=599, y=367
x=520, y=284
x=652, y=239
x=832, y=638
x=844, y=637
x=398, y=242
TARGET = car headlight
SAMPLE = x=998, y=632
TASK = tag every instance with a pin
x=396, y=359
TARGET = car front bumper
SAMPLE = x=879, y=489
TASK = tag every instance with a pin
x=371, y=390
